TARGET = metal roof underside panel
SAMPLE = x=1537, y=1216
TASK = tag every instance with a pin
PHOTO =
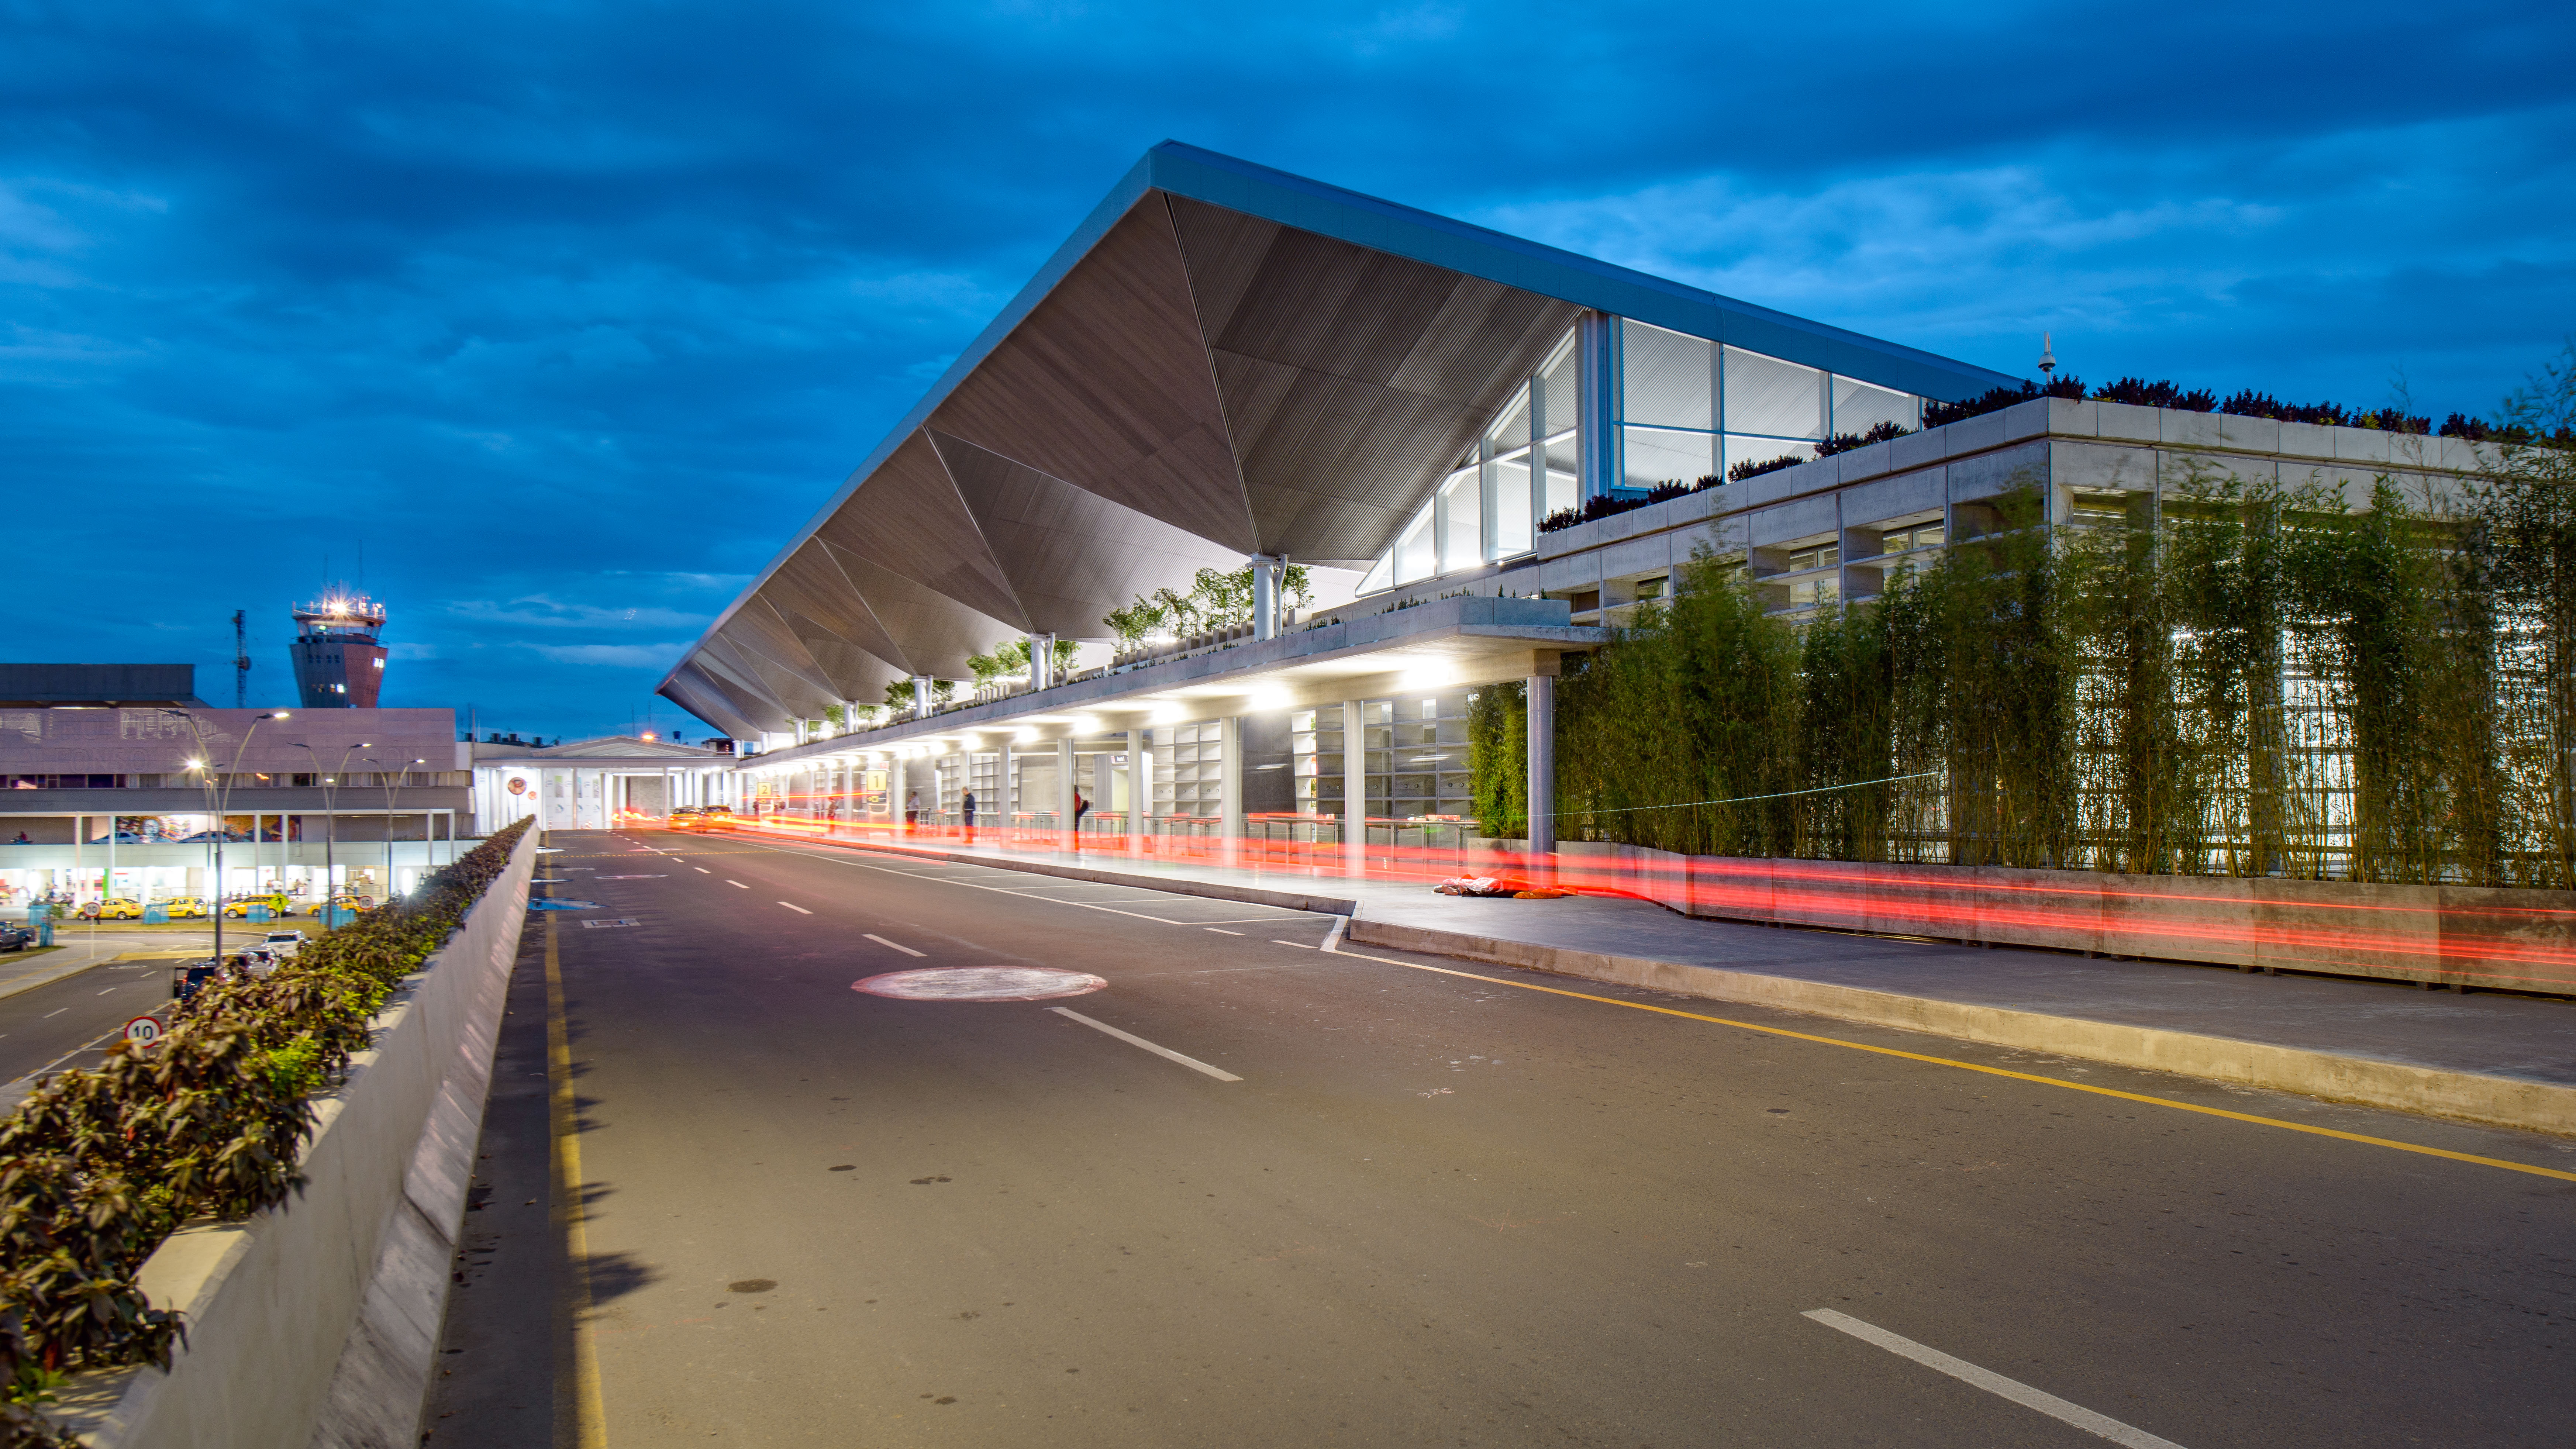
x=1106, y=386
x=1071, y=555
x=689, y=688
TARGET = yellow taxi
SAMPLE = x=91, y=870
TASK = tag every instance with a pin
x=344, y=903
x=686, y=817
x=237, y=908
x=115, y=908
x=183, y=907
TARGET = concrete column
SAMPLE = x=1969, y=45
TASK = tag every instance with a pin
x=1355, y=784
x=1141, y=762
x=1230, y=742
x=1140, y=785
x=1041, y=661
x=1267, y=571
x=1542, y=765
x=897, y=787
x=921, y=696
x=1006, y=795
x=1596, y=342
x=965, y=759
x=1064, y=785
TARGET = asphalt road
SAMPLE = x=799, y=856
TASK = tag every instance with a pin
x=1432, y=1209
x=46, y=1027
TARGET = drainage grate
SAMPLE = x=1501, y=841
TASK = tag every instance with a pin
x=620, y=921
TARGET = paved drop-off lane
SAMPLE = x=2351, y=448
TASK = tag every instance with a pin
x=1433, y=1210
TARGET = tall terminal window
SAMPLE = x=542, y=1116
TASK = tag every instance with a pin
x=1688, y=408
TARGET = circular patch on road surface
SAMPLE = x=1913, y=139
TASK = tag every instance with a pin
x=981, y=983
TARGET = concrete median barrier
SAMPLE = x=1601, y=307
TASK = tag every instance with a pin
x=315, y=1323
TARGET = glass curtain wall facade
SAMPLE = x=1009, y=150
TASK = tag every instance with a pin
x=1416, y=766
x=1688, y=409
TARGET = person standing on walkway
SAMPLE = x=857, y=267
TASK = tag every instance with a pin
x=911, y=810
x=1081, y=807
x=966, y=811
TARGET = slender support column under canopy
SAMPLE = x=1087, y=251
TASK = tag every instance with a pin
x=1542, y=764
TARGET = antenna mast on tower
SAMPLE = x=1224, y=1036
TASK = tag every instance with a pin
x=241, y=663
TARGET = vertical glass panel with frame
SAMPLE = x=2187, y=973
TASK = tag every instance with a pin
x=1562, y=385
x=1861, y=406
x=1664, y=379
x=1769, y=396
x=1380, y=575
x=1656, y=455
x=1512, y=429
x=1763, y=450
x=1415, y=557
x=1462, y=543
x=1564, y=479
x=1511, y=507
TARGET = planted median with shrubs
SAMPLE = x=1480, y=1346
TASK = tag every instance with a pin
x=98, y=1167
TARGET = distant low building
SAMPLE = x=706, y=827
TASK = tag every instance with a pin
x=591, y=784
x=118, y=778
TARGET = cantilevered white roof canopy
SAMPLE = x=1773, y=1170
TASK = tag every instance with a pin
x=1224, y=360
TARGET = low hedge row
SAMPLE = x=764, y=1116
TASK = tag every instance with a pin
x=98, y=1167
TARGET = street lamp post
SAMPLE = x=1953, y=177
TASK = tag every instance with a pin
x=331, y=825
x=219, y=797
x=405, y=771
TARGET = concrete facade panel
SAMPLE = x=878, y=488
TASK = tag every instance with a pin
x=1917, y=450
x=2362, y=445
x=2126, y=423
x=1861, y=464
x=1896, y=496
x=1639, y=556
x=1980, y=433
x=1805, y=518
x=2305, y=440
x=2221, y=431
x=1579, y=571
x=2075, y=463
x=2181, y=469
x=2001, y=471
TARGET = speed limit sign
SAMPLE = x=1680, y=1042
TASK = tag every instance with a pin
x=143, y=1031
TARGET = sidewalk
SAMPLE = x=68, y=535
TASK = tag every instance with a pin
x=2508, y=1060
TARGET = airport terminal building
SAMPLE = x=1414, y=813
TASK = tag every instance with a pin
x=117, y=778
x=1228, y=366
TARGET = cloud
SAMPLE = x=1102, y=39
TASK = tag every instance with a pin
x=658, y=657
x=569, y=315
x=538, y=612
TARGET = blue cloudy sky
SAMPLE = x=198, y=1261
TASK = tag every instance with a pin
x=567, y=313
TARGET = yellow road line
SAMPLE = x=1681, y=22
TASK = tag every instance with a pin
x=589, y=1426
x=1989, y=1071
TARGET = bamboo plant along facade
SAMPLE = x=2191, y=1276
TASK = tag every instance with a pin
x=2241, y=678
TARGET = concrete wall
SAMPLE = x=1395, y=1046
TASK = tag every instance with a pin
x=315, y=1322
x=2523, y=940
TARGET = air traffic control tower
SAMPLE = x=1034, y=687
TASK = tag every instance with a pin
x=338, y=663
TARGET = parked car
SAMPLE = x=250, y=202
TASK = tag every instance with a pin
x=183, y=907
x=241, y=907
x=343, y=902
x=16, y=938
x=282, y=944
x=188, y=977
x=115, y=908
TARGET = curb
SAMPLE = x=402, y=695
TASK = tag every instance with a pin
x=48, y=975
x=1214, y=890
x=2467, y=1096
